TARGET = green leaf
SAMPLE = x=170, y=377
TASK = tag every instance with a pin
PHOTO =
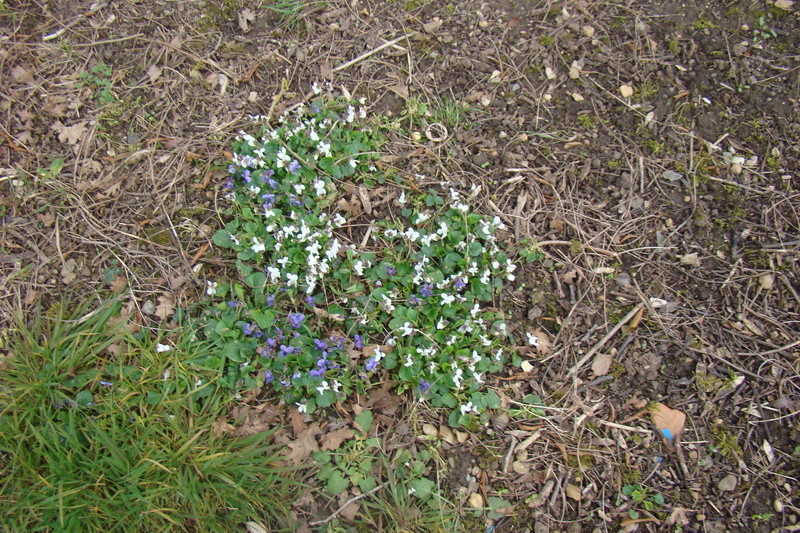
x=337, y=483
x=264, y=319
x=256, y=280
x=222, y=238
x=84, y=398
x=364, y=421
x=423, y=487
x=232, y=352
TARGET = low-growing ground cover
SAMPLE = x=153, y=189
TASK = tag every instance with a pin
x=634, y=163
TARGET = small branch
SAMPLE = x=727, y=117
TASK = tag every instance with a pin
x=365, y=55
x=345, y=504
x=587, y=246
x=94, y=9
x=604, y=340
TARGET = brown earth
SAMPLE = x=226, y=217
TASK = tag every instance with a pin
x=648, y=149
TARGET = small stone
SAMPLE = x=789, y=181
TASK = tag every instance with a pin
x=461, y=437
x=483, y=24
x=520, y=468
x=475, y=500
x=587, y=30
x=430, y=430
x=778, y=505
x=577, y=97
x=626, y=91
x=416, y=136
x=573, y=492
x=446, y=434
x=728, y=483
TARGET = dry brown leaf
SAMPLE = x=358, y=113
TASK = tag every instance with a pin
x=22, y=75
x=542, y=341
x=166, y=306
x=118, y=284
x=401, y=90
x=246, y=16
x=784, y=4
x=68, y=271
x=154, y=73
x=322, y=313
x=569, y=277
x=333, y=439
x=297, y=420
x=669, y=422
x=70, y=134
x=350, y=512
x=602, y=363
x=304, y=445
x=221, y=427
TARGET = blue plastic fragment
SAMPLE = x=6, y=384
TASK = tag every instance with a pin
x=667, y=434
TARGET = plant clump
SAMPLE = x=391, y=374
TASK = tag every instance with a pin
x=318, y=314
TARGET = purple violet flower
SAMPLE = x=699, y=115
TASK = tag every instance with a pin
x=268, y=377
x=269, y=200
x=106, y=384
x=424, y=386
x=271, y=300
x=390, y=270
x=414, y=300
x=459, y=284
x=426, y=290
x=294, y=167
x=235, y=304
x=310, y=300
x=295, y=319
x=320, y=345
x=246, y=176
x=358, y=341
x=371, y=364
x=287, y=350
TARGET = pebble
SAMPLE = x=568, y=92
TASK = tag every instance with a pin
x=728, y=483
x=573, y=492
x=475, y=500
x=520, y=468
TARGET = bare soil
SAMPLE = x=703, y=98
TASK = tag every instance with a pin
x=648, y=149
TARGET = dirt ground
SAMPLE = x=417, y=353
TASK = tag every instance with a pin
x=646, y=151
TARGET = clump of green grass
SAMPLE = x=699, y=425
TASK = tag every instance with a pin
x=101, y=429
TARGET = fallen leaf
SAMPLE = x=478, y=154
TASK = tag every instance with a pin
x=433, y=26
x=246, y=16
x=691, y=259
x=68, y=271
x=784, y=4
x=766, y=281
x=575, y=70
x=166, y=306
x=118, y=284
x=669, y=422
x=221, y=427
x=70, y=134
x=253, y=527
x=333, y=439
x=549, y=73
x=297, y=420
x=303, y=445
x=21, y=74
x=573, y=492
x=350, y=511
x=539, y=339
x=602, y=363
x=154, y=73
